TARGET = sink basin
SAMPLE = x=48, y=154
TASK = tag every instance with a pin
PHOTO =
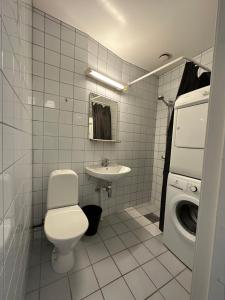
x=110, y=173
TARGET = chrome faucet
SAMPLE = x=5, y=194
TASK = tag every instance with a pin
x=105, y=162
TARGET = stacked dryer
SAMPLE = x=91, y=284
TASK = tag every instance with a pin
x=184, y=181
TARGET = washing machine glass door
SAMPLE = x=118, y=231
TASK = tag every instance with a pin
x=187, y=214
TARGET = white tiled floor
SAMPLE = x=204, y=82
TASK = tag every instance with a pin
x=126, y=259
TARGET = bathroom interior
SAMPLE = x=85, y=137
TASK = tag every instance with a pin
x=112, y=150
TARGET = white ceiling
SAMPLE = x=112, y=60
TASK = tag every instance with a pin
x=140, y=30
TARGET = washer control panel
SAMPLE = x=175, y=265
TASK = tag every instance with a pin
x=179, y=184
x=188, y=185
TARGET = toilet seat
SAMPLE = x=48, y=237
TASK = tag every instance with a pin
x=65, y=223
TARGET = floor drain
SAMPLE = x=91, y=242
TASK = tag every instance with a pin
x=152, y=217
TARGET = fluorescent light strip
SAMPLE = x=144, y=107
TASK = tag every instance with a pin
x=105, y=79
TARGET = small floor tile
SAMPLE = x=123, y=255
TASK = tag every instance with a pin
x=120, y=228
x=139, y=283
x=106, y=232
x=151, y=207
x=58, y=290
x=155, y=246
x=46, y=250
x=173, y=264
x=104, y=223
x=129, y=239
x=32, y=296
x=90, y=240
x=143, y=221
x=83, y=283
x=113, y=219
x=117, y=290
x=95, y=296
x=106, y=271
x=33, y=281
x=143, y=210
x=123, y=216
x=156, y=296
x=184, y=278
x=35, y=253
x=154, y=230
x=81, y=260
x=125, y=261
x=114, y=245
x=142, y=234
x=48, y=275
x=97, y=252
x=157, y=273
x=174, y=291
x=134, y=213
x=132, y=224
x=141, y=253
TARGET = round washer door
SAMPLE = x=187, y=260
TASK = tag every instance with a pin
x=184, y=214
x=187, y=214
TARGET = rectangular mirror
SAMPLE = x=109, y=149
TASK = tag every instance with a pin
x=103, y=119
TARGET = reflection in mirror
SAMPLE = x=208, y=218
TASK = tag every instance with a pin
x=103, y=118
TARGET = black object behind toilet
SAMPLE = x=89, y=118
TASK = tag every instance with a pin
x=93, y=213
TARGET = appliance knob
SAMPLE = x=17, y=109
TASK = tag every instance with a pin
x=194, y=188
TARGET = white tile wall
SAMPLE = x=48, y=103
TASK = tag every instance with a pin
x=168, y=87
x=16, y=144
x=61, y=55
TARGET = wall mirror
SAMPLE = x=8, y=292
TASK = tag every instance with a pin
x=103, y=119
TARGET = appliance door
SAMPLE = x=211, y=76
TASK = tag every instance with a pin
x=190, y=126
x=184, y=214
x=189, y=140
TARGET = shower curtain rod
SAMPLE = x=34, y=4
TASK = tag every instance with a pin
x=167, y=65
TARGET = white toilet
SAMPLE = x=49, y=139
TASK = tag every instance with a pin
x=65, y=222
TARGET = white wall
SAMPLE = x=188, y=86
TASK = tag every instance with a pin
x=168, y=87
x=209, y=272
x=61, y=55
x=16, y=143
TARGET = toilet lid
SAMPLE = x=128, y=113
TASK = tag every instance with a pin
x=65, y=223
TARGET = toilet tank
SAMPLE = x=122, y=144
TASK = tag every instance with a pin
x=62, y=189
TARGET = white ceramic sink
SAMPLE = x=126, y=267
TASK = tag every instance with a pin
x=109, y=173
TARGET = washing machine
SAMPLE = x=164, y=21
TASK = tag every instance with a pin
x=189, y=130
x=182, y=202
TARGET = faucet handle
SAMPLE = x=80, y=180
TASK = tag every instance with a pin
x=105, y=162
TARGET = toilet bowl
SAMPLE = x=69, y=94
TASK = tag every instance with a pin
x=65, y=222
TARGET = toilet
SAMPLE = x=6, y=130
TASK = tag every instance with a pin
x=65, y=222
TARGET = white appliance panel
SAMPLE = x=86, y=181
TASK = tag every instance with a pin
x=189, y=130
x=190, y=126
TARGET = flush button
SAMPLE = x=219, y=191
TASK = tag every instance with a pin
x=193, y=188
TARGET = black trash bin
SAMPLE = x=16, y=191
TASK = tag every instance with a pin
x=93, y=213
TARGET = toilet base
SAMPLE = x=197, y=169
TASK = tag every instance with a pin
x=62, y=263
